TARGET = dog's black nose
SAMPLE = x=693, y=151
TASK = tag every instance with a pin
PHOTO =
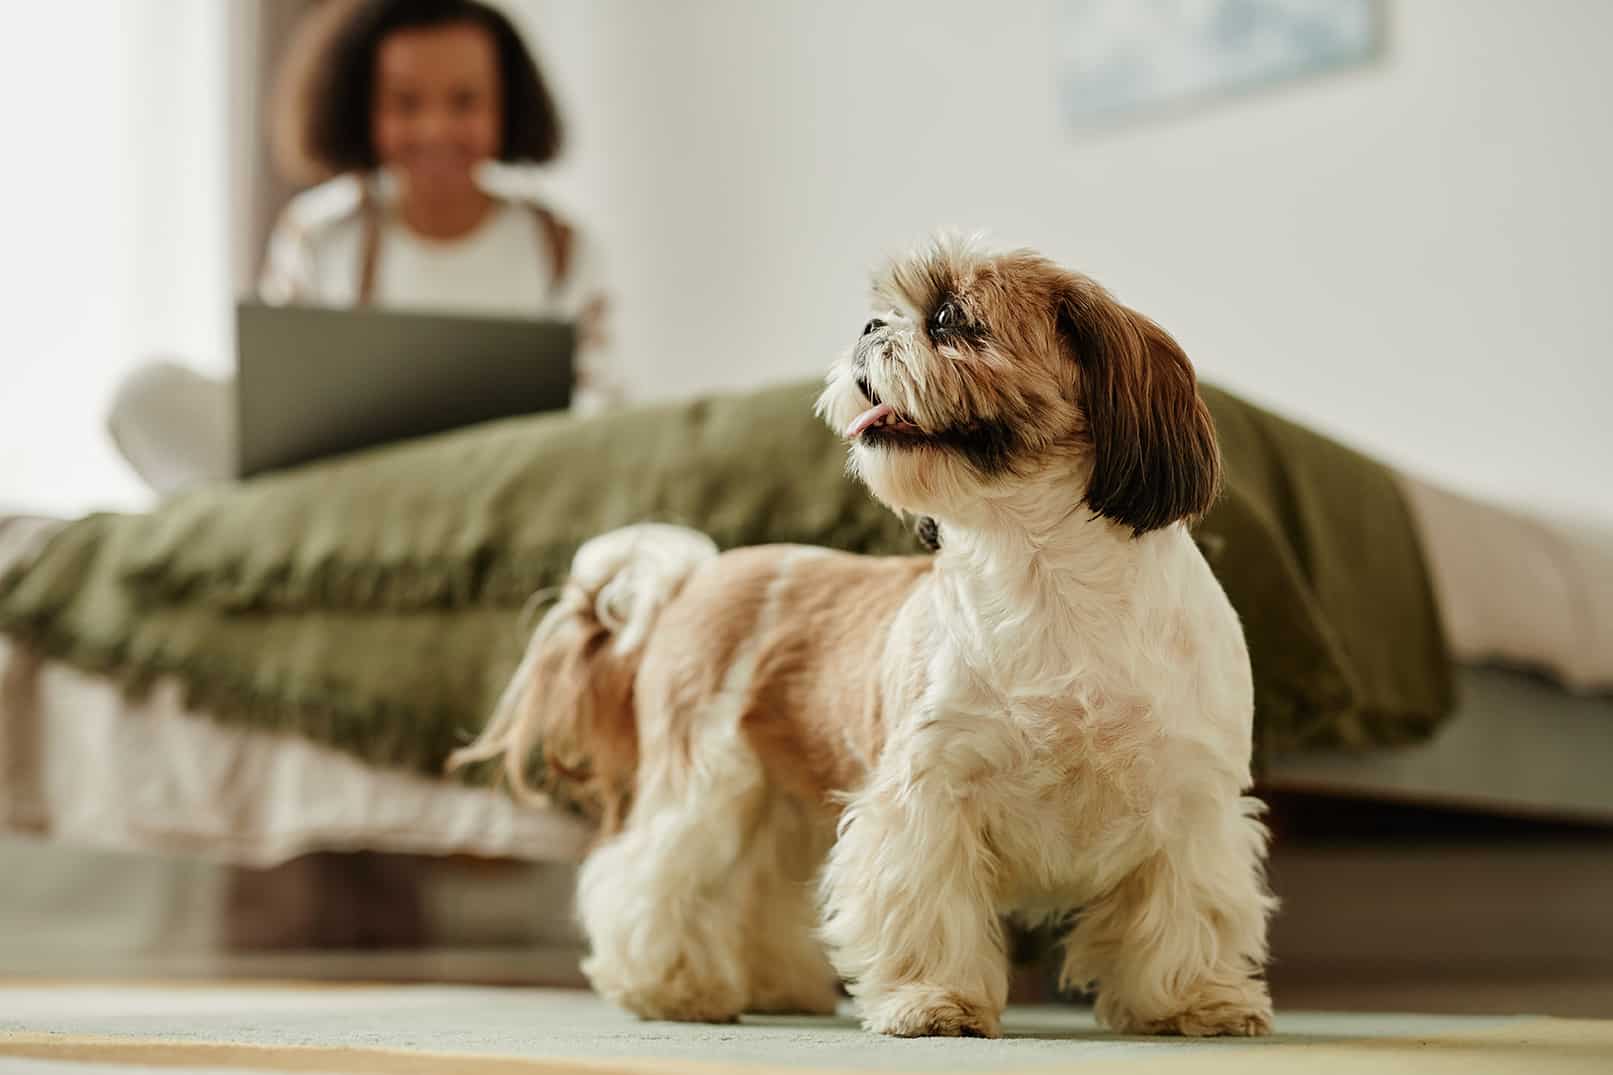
x=873, y=326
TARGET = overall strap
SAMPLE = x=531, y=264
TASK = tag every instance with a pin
x=557, y=243
x=369, y=248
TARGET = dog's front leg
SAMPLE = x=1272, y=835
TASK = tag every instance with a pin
x=910, y=911
x=1177, y=947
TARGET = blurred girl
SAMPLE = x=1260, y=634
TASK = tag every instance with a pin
x=403, y=107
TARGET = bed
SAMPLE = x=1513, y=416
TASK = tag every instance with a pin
x=130, y=748
x=1526, y=604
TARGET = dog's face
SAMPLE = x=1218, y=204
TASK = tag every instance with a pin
x=978, y=372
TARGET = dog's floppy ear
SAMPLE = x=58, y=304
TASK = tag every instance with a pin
x=1154, y=455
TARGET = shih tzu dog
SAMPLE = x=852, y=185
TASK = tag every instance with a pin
x=814, y=767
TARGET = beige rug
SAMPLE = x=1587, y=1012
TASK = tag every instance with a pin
x=74, y=1029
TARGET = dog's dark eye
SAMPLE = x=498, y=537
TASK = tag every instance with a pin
x=945, y=319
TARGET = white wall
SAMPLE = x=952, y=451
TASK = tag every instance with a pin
x=568, y=45
x=1416, y=256
x=117, y=237
x=61, y=270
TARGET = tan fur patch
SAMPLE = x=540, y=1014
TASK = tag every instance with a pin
x=582, y=713
x=812, y=710
x=816, y=713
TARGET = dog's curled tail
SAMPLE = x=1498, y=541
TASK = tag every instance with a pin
x=571, y=697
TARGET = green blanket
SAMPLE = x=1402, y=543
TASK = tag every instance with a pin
x=373, y=603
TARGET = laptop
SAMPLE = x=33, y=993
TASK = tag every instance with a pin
x=314, y=382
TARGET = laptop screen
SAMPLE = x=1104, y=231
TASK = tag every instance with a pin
x=315, y=382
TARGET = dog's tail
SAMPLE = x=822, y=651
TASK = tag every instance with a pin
x=572, y=695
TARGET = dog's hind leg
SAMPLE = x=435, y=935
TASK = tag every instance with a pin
x=789, y=971
x=661, y=901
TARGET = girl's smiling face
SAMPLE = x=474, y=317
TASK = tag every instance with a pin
x=436, y=113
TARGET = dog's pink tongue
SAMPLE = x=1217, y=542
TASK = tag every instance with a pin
x=866, y=419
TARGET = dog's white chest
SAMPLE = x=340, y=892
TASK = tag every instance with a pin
x=1064, y=784
x=1091, y=818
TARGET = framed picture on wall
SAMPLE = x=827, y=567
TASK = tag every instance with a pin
x=1121, y=59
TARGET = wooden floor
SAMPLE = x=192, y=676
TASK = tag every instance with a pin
x=1385, y=909
x=1397, y=908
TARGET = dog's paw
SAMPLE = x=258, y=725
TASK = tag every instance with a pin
x=926, y=1012
x=677, y=996
x=1222, y=1020
x=1241, y=1010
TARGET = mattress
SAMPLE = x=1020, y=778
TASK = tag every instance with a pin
x=1519, y=588
x=99, y=770
x=1526, y=602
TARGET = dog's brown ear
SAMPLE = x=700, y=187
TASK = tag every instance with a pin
x=1154, y=455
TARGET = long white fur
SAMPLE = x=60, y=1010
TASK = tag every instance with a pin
x=1037, y=620
x=701, y=907
x=624, y=578
x=1043, y=633
x=1048, y=619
